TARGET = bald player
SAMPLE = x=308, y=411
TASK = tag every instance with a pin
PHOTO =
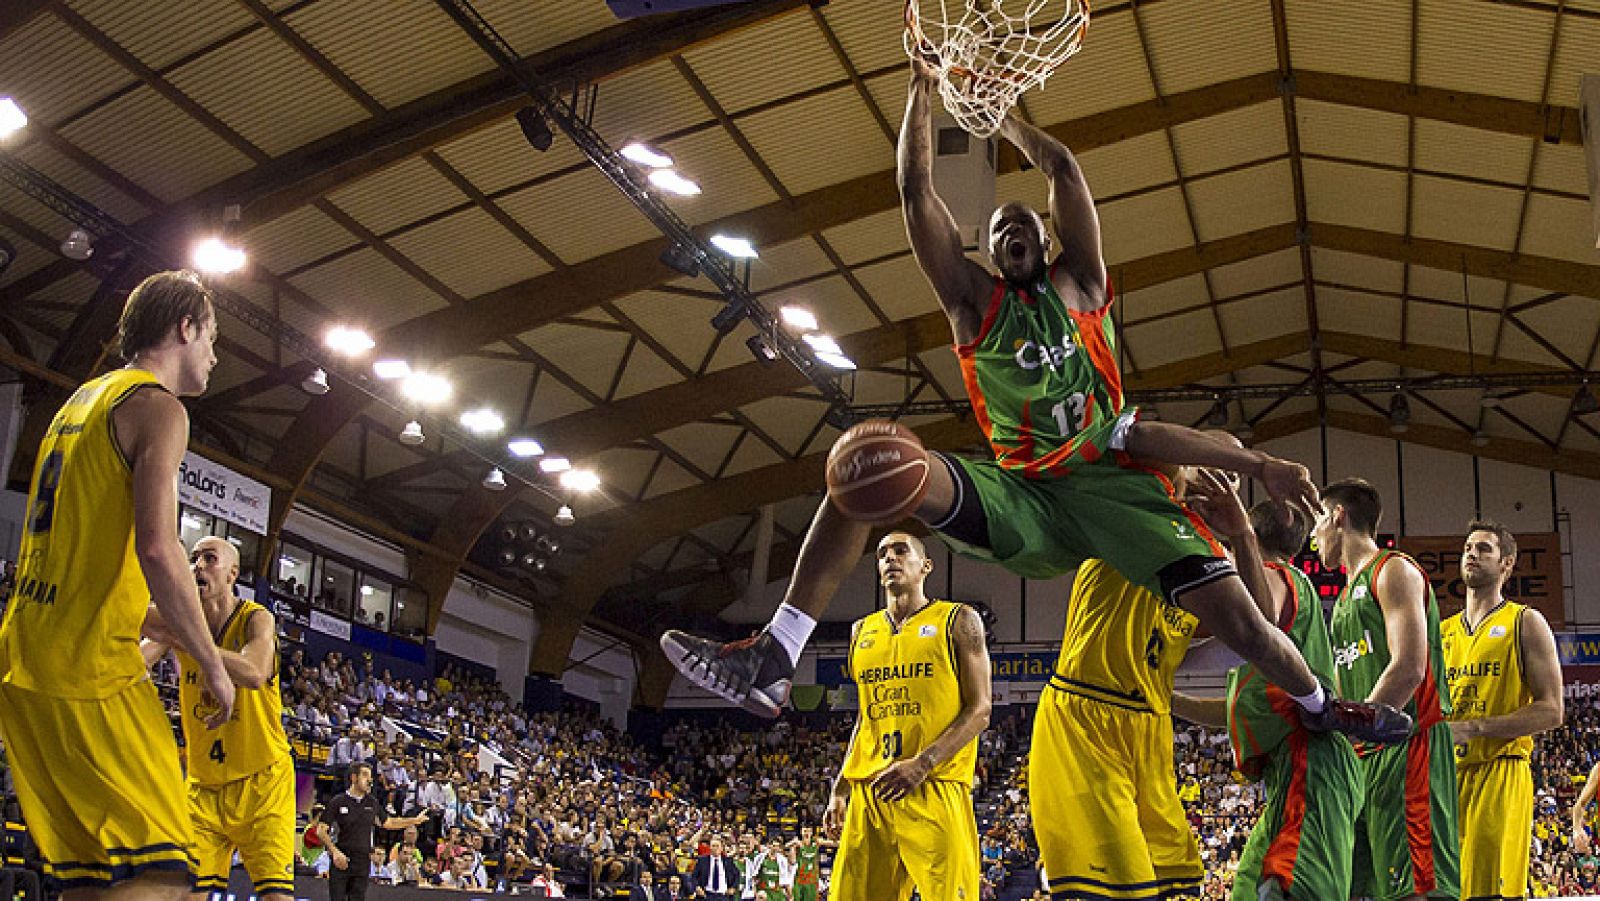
x=241, y=776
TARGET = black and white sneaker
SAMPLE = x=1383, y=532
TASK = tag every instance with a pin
x=1374, y=724
x=754, y=673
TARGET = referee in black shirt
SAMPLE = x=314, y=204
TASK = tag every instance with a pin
x=351, y=817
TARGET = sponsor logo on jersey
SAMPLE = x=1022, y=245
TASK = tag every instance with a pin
x=1359, y=593
x=1497, y=632
x=1345, y=656
x=1032, y=355
x=928, y=631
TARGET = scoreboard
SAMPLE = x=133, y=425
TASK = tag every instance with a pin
x=1329, y=581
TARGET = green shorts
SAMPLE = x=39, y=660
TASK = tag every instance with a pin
x=805, y=892
x=1042, y=528
x=1301, y=845
x=1407, y=838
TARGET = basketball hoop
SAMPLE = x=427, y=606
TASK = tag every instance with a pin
x=986, y=57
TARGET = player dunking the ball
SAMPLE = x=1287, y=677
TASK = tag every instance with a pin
x=241, y=776
x=95, y=764
x=1037, y=351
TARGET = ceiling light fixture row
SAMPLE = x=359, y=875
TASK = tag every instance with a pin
x=218, y=255
x=643, y=174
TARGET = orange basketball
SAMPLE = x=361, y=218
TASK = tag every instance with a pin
x=877, y=472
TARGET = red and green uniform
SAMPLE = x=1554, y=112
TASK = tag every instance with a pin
x=1407, y=838
x=769, y=879
x=1045, y=388
x=807, y=872
x=1302, y=843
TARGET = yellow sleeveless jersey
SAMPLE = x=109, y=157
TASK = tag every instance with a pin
x=1122, y=644
x=907, y=679
x=1484, y=667
x=72, y=630
x=253, y=738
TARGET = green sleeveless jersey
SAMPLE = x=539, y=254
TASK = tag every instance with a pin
x=769, y=878
x=1261, y=716
x=1039, y=376
x=808, y=865
x=1361, y=645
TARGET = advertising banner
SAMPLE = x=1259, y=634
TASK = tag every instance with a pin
x=218, y=490
x=1537, y=581
x=1023, y=666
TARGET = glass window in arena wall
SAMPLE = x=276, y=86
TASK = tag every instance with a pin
x=373, y=601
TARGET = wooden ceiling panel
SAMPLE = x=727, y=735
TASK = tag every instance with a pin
x=1356, y=312
x=1179, y=338
x=1560, y=228
x=1473, y=152
x=368, y=289
x=588, y=355
x=1351, y=37
x=1130, y=165
x=296, y=239
x=553, y=400
x=398, y=195
x=1267, y=316
x=1437, y=213
x=1255, y=274
x=838, y=308
x=899, y=287
x=1561, y=167
x=497, y=156
x=1109, y=72
x=1200, y=42
x=781, y=56
x=1143, y=226
x=1454, y=38
x=1243, y=201
x=157, y=145
x=701, y=443
x=819, y=141
x=1570, y=324
x=1353, y=269
x=76, y=179
x=397, y=51
x=788, y=262
x=159, y=32
x=869, y=32
x=470, y=253
x=1577, y=54
x=870, y=237
x=579, y=216
x=753, y=454
x=1250, y=133
x=268, y=93
x=29, y=257
x=51, y=71
x=1349, y=195
x=1352, y=133
x=681, y=324
x=646, y=371
x=532, y=27
x=1178, y=294
x=729, y=182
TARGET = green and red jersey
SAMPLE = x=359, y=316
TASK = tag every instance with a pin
x=1040, y=376
x=1261, y=716
x=1361, y=644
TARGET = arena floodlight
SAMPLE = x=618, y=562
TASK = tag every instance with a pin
x=426, y=388
x=12, y=118
x=389, y=370
x=525, y=448
x=799, y=318
x=646, y=156
x=670, y=181
x=580, y=480
x=738, y=248
x=350, y=342
x=217, y=256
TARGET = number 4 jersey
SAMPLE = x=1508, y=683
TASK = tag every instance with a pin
x=72, y=629
x=253, y=738
x=908, y=685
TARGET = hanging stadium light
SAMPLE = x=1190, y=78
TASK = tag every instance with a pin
x=350, y=342
x=388, y=370
x=411, y=435
x=738, y=248
x=670, y=181
x=646, y=156
x=12, y=118
x=218, y=257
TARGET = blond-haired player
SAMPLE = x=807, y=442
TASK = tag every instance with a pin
x=241, y=776
x=1505, y=686
x=93, y=756
x=902, y=803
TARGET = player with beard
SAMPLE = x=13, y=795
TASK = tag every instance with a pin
x=1505, y=687
x=1037, y=349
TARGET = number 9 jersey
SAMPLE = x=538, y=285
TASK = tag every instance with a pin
x=253, y=738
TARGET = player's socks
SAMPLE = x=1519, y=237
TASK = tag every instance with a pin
x=1314, y=702
x=792, y=628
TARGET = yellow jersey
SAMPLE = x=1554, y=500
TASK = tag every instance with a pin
x=72, y=630
x=1484, y=667
x=908, y=682
x=253, y=738
x=1123, y=643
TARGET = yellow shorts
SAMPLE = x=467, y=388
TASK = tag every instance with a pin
x=1496, y=813
x=99, y=783
x=1105, y=803
x=927, y=840
x=256, y=815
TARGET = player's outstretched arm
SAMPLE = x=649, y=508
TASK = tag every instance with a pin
x=1401, y=591
x=1541, y=670
x=152, y=430
x=1217, y=501
x=972, y=659
x=252, y=665
x=1072, y=211
x=1209, y=712
x=1287, y=482
x=958, y=282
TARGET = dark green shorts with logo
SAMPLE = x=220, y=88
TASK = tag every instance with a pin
x=1408, y=840
x=1044, y=528
x=1301, y=845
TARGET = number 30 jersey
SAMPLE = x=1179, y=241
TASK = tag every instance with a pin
x=1040, y=377
x=908, y=685
x=253, y=738
x=72, y=630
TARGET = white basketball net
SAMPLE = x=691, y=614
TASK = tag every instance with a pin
x=987, y=52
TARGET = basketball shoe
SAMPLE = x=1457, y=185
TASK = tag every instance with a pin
x=1376, y=724
x=754, y=673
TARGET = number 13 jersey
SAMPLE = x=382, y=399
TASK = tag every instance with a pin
x=72, y=630
x=908, y=685
x=253, y=738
